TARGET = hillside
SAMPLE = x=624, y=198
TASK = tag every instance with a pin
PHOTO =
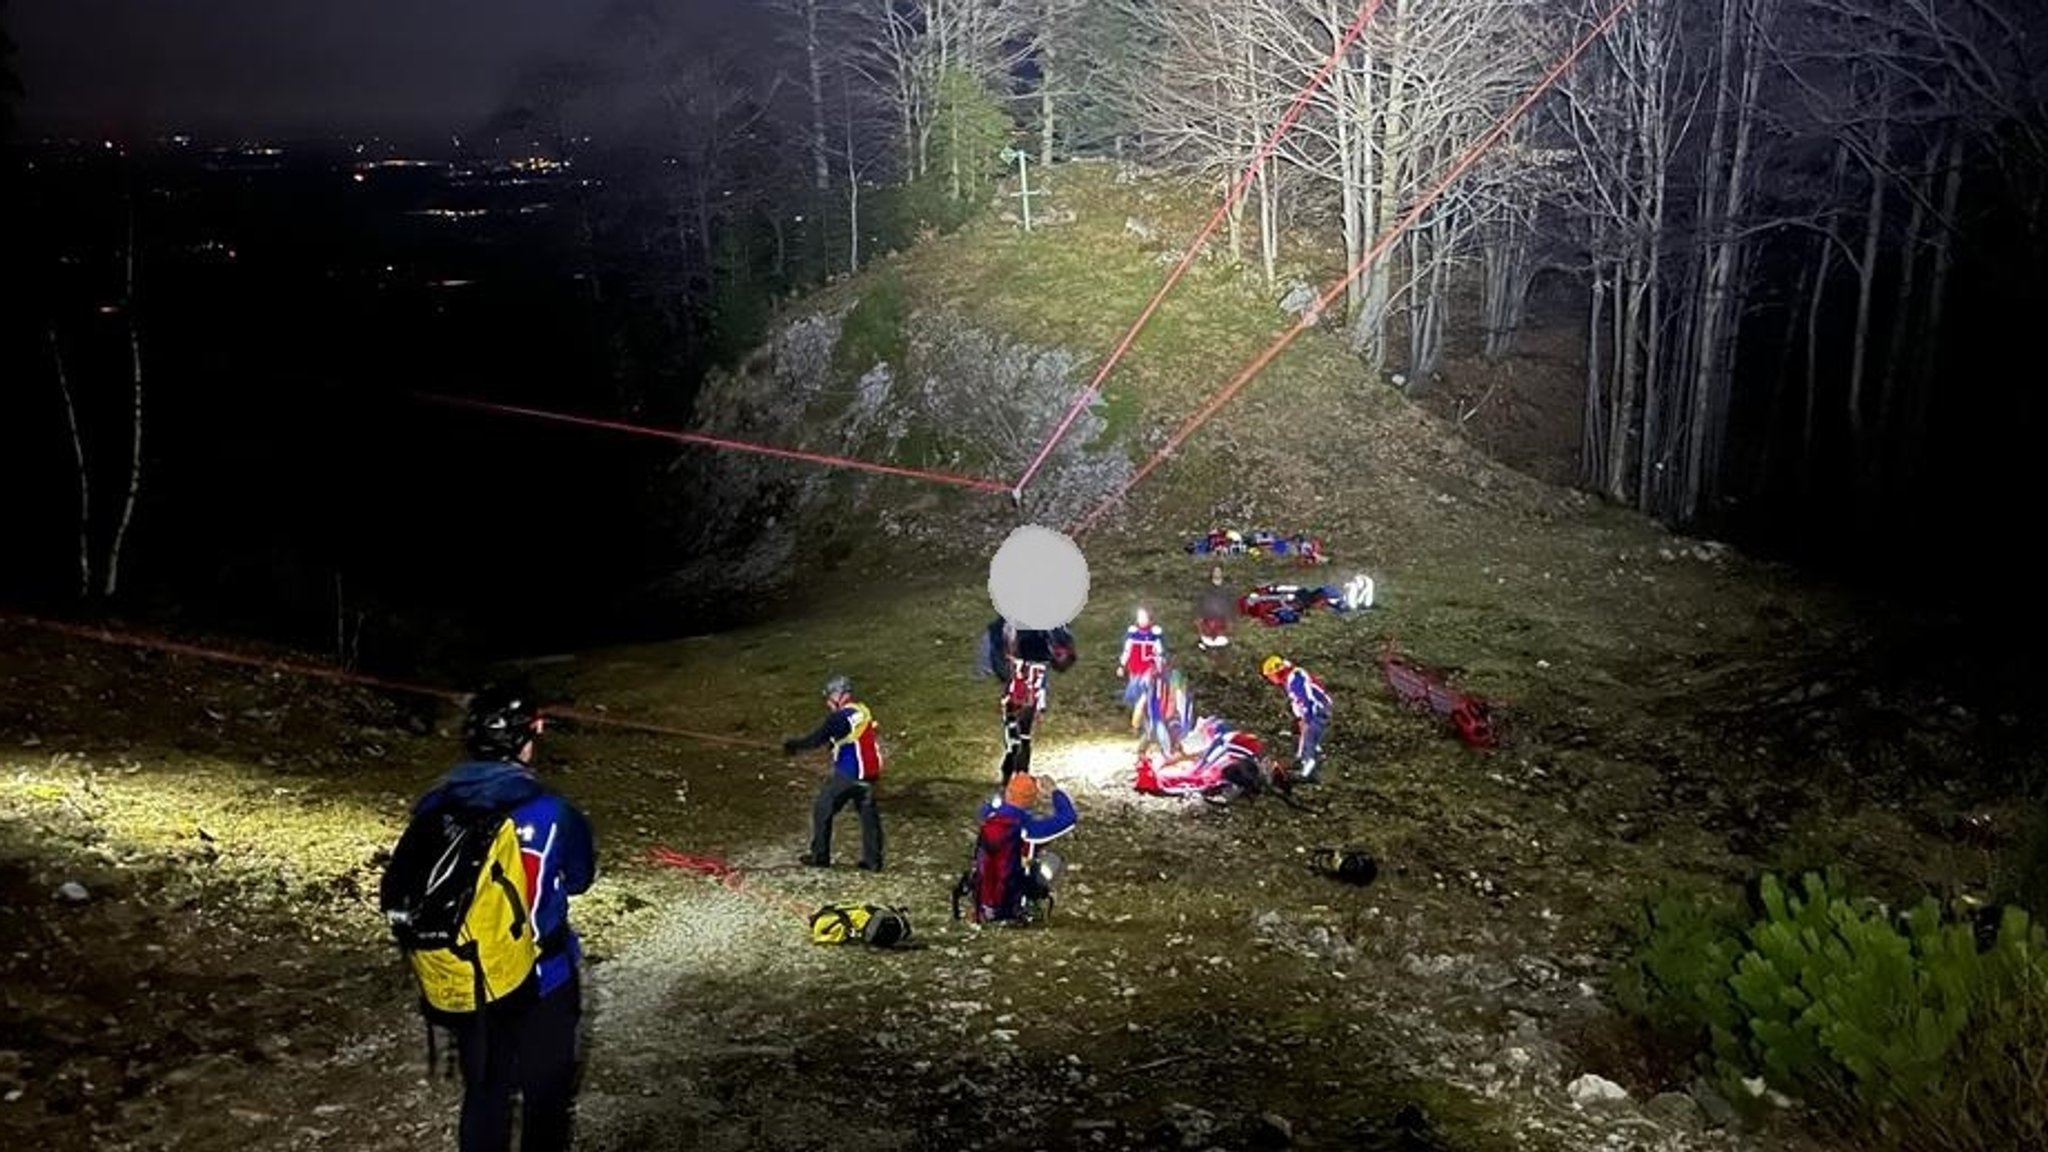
x=1671, y=709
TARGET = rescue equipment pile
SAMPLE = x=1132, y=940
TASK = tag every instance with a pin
x=1305, y=549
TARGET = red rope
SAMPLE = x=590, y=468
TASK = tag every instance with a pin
x=1309, y=315
x=727, y=874
x=152, y=643
x=825, y=458
x=1237, y=191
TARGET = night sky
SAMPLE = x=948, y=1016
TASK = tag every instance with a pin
x=129, y=66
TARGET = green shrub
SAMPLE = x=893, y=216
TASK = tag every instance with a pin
x=1901, y=1030
x=1677, y=980
x=873, y=331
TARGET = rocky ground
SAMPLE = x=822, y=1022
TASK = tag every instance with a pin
x=189, y=849
x=188, y=853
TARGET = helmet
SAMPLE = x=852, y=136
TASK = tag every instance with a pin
x=500, y=722
x=838, y=686
x=1272, y=666
x=1021, y=790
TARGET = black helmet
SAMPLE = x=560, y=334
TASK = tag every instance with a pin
x=501, y=720
x=838, y=686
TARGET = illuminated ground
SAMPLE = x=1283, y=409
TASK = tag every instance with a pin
x=225, y=982
x=1673, y=710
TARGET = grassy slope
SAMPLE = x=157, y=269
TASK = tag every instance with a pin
x=1189, y=940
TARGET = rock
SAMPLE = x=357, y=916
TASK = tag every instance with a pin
x=1674, y=1110
x=1591, y=1090
x=1186, y=1125
x=72, y=892
x=1300, y=301
x=1716, y=1109
x=1269, y=1130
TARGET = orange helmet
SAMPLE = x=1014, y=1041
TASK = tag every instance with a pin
x=1022, y=790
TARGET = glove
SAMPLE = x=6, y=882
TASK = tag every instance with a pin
x=791, y=747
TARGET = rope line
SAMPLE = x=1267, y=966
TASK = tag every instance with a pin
x=727, y=875
x=153, y=643
x=728, y=444
x=1309, y=315
x=1237, y=191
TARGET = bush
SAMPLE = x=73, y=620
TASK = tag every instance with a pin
x=1909, y=1031
x=872, y=332
x=1677, y=981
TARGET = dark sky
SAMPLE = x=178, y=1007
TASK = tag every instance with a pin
x=281, y=65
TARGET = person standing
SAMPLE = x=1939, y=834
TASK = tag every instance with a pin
x=849, y=729
x=1144, y=656
x=1024, y=658
x=1214, y=608
x=487, y=866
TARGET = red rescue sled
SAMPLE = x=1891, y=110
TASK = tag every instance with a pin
x=1420, y=689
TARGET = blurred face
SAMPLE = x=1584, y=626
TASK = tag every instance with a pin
x=1216, y=575
x=1144, y=618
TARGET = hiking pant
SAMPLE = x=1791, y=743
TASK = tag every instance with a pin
x=1308, y=748
x=526, y=1047
x=836, y=794
x=1017, y=725
x=1135, y=687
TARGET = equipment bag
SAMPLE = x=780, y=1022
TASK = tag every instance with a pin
x=456, y=896
x=876, y=925
x=996, y=875
x=1350, y=865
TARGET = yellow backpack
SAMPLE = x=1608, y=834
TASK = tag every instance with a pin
x=456, y=897
x=873, y=924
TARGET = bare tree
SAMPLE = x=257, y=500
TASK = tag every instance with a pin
x=129, y=304
x=79, y=463
x=808, y=18
x=1624, y=112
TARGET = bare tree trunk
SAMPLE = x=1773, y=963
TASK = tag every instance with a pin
x=954, y=186
x=1505, y=284
x=1929, y=358
x=1866, y=284
x=1593, y=455
x=1269, y=221
x=1046, y=131
x=113, y=568
x=821, y=171
x=1809, y=416
x=1365, y=205
x=1347, y=89
x=1902, y=309
x=1720, y=315
x=1632, y=283
x=1396, y=161
x=1428, y=312
x=84, y=475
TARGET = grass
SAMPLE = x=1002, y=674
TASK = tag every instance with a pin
x=1639, y=684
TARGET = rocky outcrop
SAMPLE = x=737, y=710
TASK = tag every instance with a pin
x=956, y=399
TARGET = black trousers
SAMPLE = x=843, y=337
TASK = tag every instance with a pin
x=836, y=794
x=1017, y=725
x=524, y=1046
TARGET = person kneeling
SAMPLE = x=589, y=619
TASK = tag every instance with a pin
x=1216, y=761
x=1012, y=876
